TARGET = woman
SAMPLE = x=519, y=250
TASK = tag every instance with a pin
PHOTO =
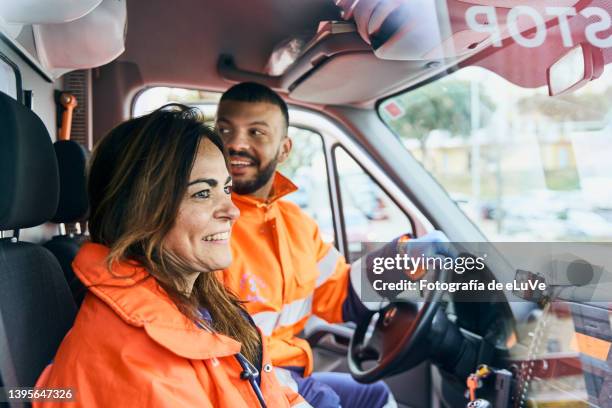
x=156, y=327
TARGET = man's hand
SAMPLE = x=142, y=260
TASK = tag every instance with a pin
x=432, y=244
x=409, y=255
x=396, y=261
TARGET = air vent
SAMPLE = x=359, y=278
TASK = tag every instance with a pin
x=78, y=83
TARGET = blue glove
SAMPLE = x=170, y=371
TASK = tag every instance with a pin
x=435, y=243
x=414, y=255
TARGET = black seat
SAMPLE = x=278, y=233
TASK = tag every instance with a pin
x=36, y=306
x=72, y=208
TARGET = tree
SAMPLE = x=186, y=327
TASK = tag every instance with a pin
x=570, y=107
x=442, y=105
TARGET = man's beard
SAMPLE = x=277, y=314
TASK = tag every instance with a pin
x=261, y=178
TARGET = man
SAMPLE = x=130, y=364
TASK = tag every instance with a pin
x=282, y=268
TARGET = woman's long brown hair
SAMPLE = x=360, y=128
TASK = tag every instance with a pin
x=137, y=179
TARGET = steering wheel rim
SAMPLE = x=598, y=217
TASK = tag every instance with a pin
x=401, y=329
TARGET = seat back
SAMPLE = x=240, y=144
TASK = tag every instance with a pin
x=72, y=208
x=36, y=307
x=65, y=249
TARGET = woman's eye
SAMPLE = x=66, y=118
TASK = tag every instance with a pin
x=227, y=189
x=202, y=194
x=223, y=131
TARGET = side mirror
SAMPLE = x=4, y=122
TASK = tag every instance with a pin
x=574, y=69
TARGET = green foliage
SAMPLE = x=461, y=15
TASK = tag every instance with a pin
x=562, y=179
x=306, y=146
x=442, y=106
x=570, y=107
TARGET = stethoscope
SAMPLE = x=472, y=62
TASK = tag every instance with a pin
x=250, y=372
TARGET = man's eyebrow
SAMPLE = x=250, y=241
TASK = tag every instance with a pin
x=259, y=122
x=254, y=123
x=210, y=182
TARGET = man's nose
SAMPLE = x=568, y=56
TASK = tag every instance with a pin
x=237, y=140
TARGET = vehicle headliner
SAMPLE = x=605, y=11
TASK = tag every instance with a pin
x=179, y=43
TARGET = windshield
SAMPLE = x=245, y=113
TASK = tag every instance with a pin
x=522, y=165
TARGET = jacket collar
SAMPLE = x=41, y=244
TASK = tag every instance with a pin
x=137, y=298
x=281, y=186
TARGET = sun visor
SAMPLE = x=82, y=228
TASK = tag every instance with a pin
x=91, y=41
x=413, y=30
x=324, y=86
x=45, y=11
x=401, y=30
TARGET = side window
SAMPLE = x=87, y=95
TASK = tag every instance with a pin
x=370, y=215
x=10, y=79
x=306, y=168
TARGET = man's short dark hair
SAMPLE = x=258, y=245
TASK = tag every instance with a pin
x=254, y=92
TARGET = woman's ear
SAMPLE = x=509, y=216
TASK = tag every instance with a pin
x=285, y=149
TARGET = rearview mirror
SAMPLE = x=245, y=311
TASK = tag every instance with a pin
x=574, y=69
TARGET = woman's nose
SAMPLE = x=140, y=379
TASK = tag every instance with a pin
x=229, y=210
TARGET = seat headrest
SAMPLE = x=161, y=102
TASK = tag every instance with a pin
x=29, y=179
x=72, y=163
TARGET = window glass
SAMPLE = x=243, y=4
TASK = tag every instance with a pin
x=8, y=79
x=522, y=165
x=369, y=213
x=306, y=168
x=153, y=98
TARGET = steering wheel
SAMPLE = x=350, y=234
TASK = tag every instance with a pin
x=399, y=339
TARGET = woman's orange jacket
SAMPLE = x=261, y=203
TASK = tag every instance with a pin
x=131, y=347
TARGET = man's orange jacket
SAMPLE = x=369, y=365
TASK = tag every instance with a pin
x=131, y=347
x=285, y=272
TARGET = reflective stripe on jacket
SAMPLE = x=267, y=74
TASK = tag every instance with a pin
x=131, y=347
x=285, y=272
